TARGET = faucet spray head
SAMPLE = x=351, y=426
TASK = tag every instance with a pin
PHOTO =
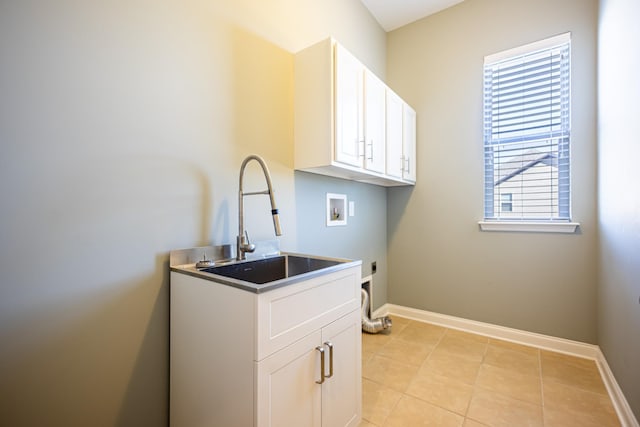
x=276, y=222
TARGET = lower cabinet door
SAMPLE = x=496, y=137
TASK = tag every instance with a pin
x=342, y=391
x=291, y=389
x=286, y=390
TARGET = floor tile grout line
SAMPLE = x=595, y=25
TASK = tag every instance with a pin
x=475, y=381
x=476, y=386
x=423, y=363
x=541, y=387
x=384, y=421
x=404, y=393
x=442, y=337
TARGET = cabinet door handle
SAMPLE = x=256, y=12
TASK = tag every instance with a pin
x=408, y=164
x=371, y=148
x=402, y=163
x=361, y=144
x=322, y=377
x=330, y=345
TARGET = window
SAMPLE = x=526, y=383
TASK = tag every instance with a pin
x=527, y=132
x=507, y=202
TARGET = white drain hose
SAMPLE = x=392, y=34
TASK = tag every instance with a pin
x=368, y=325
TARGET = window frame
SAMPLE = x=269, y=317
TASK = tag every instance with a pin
x=549, y=223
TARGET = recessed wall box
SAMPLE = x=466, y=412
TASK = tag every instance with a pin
x=336, y=209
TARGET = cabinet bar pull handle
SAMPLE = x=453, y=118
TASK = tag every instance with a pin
x=322, y=377
x=371, y=147
x=330, y=345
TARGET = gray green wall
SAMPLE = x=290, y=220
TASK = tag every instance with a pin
x=619, y=198
x=364, y=237
x=122, y=128
x=438, y=259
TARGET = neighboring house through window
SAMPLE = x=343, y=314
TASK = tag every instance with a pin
x=507, y=202
x=527, y=132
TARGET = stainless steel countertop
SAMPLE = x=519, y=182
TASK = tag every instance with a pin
x=192, y=255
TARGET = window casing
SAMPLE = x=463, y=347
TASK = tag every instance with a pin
x=527, y=132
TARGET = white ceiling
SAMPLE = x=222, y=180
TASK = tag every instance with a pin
x=392, y=14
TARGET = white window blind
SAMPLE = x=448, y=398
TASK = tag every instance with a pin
x=527, y=132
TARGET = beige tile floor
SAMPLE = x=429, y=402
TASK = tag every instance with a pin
x=427, y=375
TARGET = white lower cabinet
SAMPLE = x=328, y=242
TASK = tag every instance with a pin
x=292, y=390
x=245, y=359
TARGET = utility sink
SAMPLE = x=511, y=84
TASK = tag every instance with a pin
x=269, y=270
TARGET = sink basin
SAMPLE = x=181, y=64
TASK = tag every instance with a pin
x=268, y=270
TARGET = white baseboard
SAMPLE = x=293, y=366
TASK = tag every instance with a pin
x=545, y=342
x=623, y=409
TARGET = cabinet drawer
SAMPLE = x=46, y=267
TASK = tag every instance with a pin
x=288, y=314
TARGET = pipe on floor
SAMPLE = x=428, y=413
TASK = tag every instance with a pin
x=368, y=325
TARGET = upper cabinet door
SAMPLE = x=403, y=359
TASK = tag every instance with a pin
x=349, y=142
x=374, y=123
x=409, y=143
x=395, y=158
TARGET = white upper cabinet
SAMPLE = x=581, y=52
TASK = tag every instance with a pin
x=342, y=121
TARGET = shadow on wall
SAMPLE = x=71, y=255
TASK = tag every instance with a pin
x=314, y=236
x=397, y=201
x=221, y=228
x=151, y=369
x=88, y=329
x=93, y=345
x=364, y=237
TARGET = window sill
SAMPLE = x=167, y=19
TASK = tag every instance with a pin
x=529, y=227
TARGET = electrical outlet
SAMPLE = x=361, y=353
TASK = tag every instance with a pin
x=374, y=267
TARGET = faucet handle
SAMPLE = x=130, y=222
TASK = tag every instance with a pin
x=247, y=246
x=204, y=263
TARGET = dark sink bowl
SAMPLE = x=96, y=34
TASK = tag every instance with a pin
x=268, y=270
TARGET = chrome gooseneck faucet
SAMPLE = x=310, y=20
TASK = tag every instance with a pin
x=243, y=243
